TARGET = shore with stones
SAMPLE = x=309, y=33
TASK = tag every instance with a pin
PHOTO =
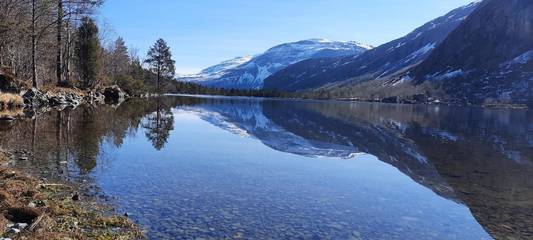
x=34, y=208
x=37, y=209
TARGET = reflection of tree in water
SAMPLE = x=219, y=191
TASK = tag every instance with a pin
x=158, y=125
x=481, y=158
x=88, y=137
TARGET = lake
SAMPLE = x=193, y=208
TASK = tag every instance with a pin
x=187, y=167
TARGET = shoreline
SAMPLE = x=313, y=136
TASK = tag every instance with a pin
x=33, y=102
x=350, y=100
x=32, y=207
x=41, y=209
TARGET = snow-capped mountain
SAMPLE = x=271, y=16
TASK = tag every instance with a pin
x=250, y=74
x=216, y=71
x=379, y=62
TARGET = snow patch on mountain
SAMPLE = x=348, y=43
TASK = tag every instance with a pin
x=424, y=50
x=215, y=71
x=447, y=75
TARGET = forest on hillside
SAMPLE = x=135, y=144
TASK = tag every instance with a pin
x=49, y=43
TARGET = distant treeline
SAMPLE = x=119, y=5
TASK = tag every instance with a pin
x=192, y=88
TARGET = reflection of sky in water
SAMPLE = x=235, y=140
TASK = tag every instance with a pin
x=208, y=182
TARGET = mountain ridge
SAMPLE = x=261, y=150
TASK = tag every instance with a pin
x=385, y=59
x=250, y=74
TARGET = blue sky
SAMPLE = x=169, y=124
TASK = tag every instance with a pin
x=202, y=33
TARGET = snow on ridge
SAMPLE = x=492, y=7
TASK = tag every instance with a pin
x=472, y=4
x=215, y=71
x=447, y=75
x=424, y=50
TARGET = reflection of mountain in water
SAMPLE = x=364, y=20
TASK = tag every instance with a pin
x=247, y=118
x=481, y=158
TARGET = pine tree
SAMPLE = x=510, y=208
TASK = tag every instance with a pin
x=120, y=58
x=66, y=10
x=88, y=52
x=160, y=61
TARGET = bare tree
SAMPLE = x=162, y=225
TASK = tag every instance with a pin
x=69, y=9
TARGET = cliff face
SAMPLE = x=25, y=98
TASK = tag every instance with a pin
x=488, y=57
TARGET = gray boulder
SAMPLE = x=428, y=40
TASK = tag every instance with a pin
x=114, y=94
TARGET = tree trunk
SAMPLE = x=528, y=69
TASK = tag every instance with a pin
x=33, y=46
x=59, y=53
x=1, y=55
x=59, y=121
x=33, y=133
x=68, y=55
x=157, y=83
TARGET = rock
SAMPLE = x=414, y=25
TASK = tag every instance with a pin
x=34, y=97
x=8, y=83
x=95, y=98
x=76, y=197
x=21, y=225
x=37, y=99
x=57, y=101
x=14, y=230
x=113, y=94
x=22, y=215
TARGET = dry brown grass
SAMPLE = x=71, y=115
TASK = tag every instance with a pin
x=3, y=223
x=55, y=90
x=54, y=213
x=3, y=158
x=15, y=112
x=11, y=101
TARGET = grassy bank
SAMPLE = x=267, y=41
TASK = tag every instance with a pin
x=35, y=209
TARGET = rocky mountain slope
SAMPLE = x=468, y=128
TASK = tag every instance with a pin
x=379, y=62
x=250, y=74
x=488, y=58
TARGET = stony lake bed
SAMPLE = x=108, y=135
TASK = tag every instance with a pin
x=185, y=167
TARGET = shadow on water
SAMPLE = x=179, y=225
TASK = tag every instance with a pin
x=482, y=158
